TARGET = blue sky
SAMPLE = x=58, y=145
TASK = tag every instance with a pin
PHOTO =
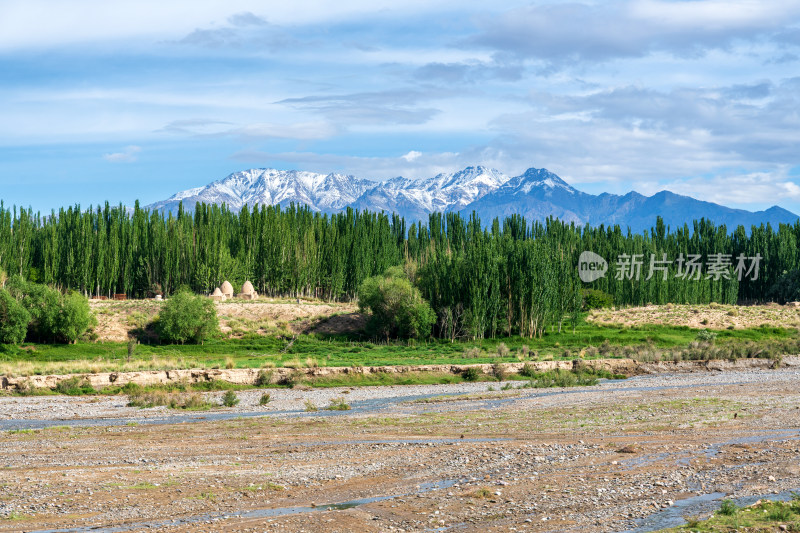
x=131, y=100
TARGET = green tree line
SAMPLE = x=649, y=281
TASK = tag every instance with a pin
x=510, y=276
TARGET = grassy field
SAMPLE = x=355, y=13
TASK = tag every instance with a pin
x=764, y=516
x=590, y=340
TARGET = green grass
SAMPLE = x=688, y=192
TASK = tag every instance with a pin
x=589, y=341
x=766, y=516
x=338, y=404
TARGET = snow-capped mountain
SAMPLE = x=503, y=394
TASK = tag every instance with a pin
x=323, y=192
x=415, y=199
x=536, y=194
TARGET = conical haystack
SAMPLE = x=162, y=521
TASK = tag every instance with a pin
x=227, y=289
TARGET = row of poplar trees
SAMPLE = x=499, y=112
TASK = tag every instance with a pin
x=507, y=277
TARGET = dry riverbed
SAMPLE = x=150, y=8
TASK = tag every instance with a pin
x=619, y=456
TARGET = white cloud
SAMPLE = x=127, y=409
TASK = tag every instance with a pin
x=563, y=33
x=412, y=155
x=42, y=23
x=310, y=130
x=738, y=189
x=128, y=155
x=301, y=130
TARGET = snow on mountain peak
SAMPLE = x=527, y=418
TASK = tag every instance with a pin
x=540, y=178
x=334, y=191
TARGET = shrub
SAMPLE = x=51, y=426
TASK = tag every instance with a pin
x=230, y=399
x=498, y=372
x=471, y=373
x=472, y=352
x=397, y=307
x=527, y=371
x=728, y=508
x=74, y=318
x=54, y=316
x=75, y=386
x=310, y=407
x=605, y=349
x=293, y=379
x=132, y=343
x=187, y=317
x=192, y=400
x=705, y=335
x=596, y=299
x=14, y=319
x=264, y=400
x=502, y=350
x=338, y=404
x=780, y=512
x=153, y=398
x=563, y=378
x=264, y=378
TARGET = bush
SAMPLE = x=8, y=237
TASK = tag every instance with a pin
x=397, y=307
x=42, y=304
x=54, y=316
x=499, y=372
x=705, y=335
x=780, y=512
x=187, y=318
x=230, y=399
x=728, y=508
x=14, y=319
x=502, y=350
x=338, y=404
x=264, y=400
x=75, y=386
x=154, y=398
x=527, y=371
x=471, y=373
x=264, y=378
x=596, y=299
x=472, y=353
x=292, y=379
x=74, y=318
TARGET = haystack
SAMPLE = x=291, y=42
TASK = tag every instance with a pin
x=248, y=292
x=227, y=289
x=217, y=295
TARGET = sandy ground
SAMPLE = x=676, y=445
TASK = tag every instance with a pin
x=117, y=320
x=615, y=457
x=713, y=316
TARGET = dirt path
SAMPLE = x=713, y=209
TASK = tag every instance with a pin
x=456, y=458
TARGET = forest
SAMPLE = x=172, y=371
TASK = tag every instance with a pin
x=481, y=279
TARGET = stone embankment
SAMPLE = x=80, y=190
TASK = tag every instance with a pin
x=245, y=376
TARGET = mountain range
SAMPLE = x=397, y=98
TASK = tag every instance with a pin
x=536, y=194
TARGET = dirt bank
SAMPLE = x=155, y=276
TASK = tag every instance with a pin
x=248, y=376
x=116, y=321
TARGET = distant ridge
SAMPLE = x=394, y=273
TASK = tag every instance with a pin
x=536, y=194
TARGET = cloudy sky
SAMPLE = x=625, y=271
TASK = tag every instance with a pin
x=131, y=100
